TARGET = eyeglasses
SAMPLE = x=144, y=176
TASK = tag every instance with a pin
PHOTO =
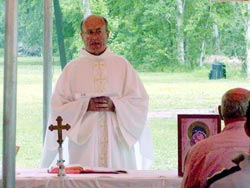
x=95, y=31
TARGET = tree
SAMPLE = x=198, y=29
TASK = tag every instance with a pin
x=145, y=32
x=197, y=29
x=216, y=36
x=156, y=35
x=86, y=8
x=202, y=54
x=30, y=27
x=180, y=32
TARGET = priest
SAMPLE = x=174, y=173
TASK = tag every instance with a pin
x=102, y=98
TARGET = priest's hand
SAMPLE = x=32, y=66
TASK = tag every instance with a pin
x=101, y=104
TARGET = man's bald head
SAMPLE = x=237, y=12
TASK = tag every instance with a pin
x=93, y=21
x=234, y=103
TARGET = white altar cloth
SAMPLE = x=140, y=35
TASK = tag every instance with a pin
x=39, y=178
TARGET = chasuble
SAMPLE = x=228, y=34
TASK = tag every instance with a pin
x=119, y=139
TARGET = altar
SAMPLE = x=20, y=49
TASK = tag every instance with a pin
x=39, y=178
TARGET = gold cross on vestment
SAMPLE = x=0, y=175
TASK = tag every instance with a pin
x=100, y=76
x=59, y=127
x=99, y=65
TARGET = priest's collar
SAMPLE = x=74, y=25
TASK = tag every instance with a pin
x=106, y=53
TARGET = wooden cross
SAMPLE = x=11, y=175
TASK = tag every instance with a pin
x=59, y=127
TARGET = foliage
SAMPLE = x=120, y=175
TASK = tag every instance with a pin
x=2, y=26
x=30, y=23
x=144, y=31
x=232, y=31
x=197, y=27
x=72, y=16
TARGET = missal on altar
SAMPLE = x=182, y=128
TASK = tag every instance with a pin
x=92, y=95
x=77, y=169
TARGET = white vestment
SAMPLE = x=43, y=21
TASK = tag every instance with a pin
x=100, y=139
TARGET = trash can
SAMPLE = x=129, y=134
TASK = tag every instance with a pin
x=218, y=70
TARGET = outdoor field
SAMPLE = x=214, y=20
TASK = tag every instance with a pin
x=170, y=94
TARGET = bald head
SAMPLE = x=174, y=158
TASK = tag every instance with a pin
x=234, y=103
x=93, y=21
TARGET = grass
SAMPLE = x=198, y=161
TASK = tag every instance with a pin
x=164, y=133
x=167, y=91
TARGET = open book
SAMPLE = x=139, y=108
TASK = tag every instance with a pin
x=77, y=169
x=92, y=95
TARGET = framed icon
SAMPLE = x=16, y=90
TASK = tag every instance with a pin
x=193, y=128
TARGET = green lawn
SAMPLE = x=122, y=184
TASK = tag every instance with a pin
x=167, y=91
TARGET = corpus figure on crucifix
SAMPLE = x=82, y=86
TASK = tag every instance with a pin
x=59, y=127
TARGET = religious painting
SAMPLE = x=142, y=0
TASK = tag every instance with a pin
x=193, y=128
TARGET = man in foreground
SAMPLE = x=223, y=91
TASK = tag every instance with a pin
x=216, y=152
x=237, y=176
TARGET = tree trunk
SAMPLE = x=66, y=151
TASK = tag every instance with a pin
x=59, y=29
x=216, y=37
x=248, y=42
x=86, y=8
x=202, y=53
x=180, y=32
x=203, y=44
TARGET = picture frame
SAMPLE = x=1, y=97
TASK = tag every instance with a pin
x=193, y=128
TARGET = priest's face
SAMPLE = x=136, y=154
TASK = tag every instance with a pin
x=95, y=35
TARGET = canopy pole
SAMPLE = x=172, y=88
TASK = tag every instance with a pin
x=47, y=62
x=10, y=87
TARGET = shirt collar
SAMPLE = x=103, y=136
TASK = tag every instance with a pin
x=106, y=53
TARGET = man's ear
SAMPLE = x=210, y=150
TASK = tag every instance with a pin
x=247, y=124
x=81, y=34
x=220, y=114
x=107, y=32
x=247, y=129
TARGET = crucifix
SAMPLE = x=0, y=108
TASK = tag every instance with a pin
x=59, y=127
